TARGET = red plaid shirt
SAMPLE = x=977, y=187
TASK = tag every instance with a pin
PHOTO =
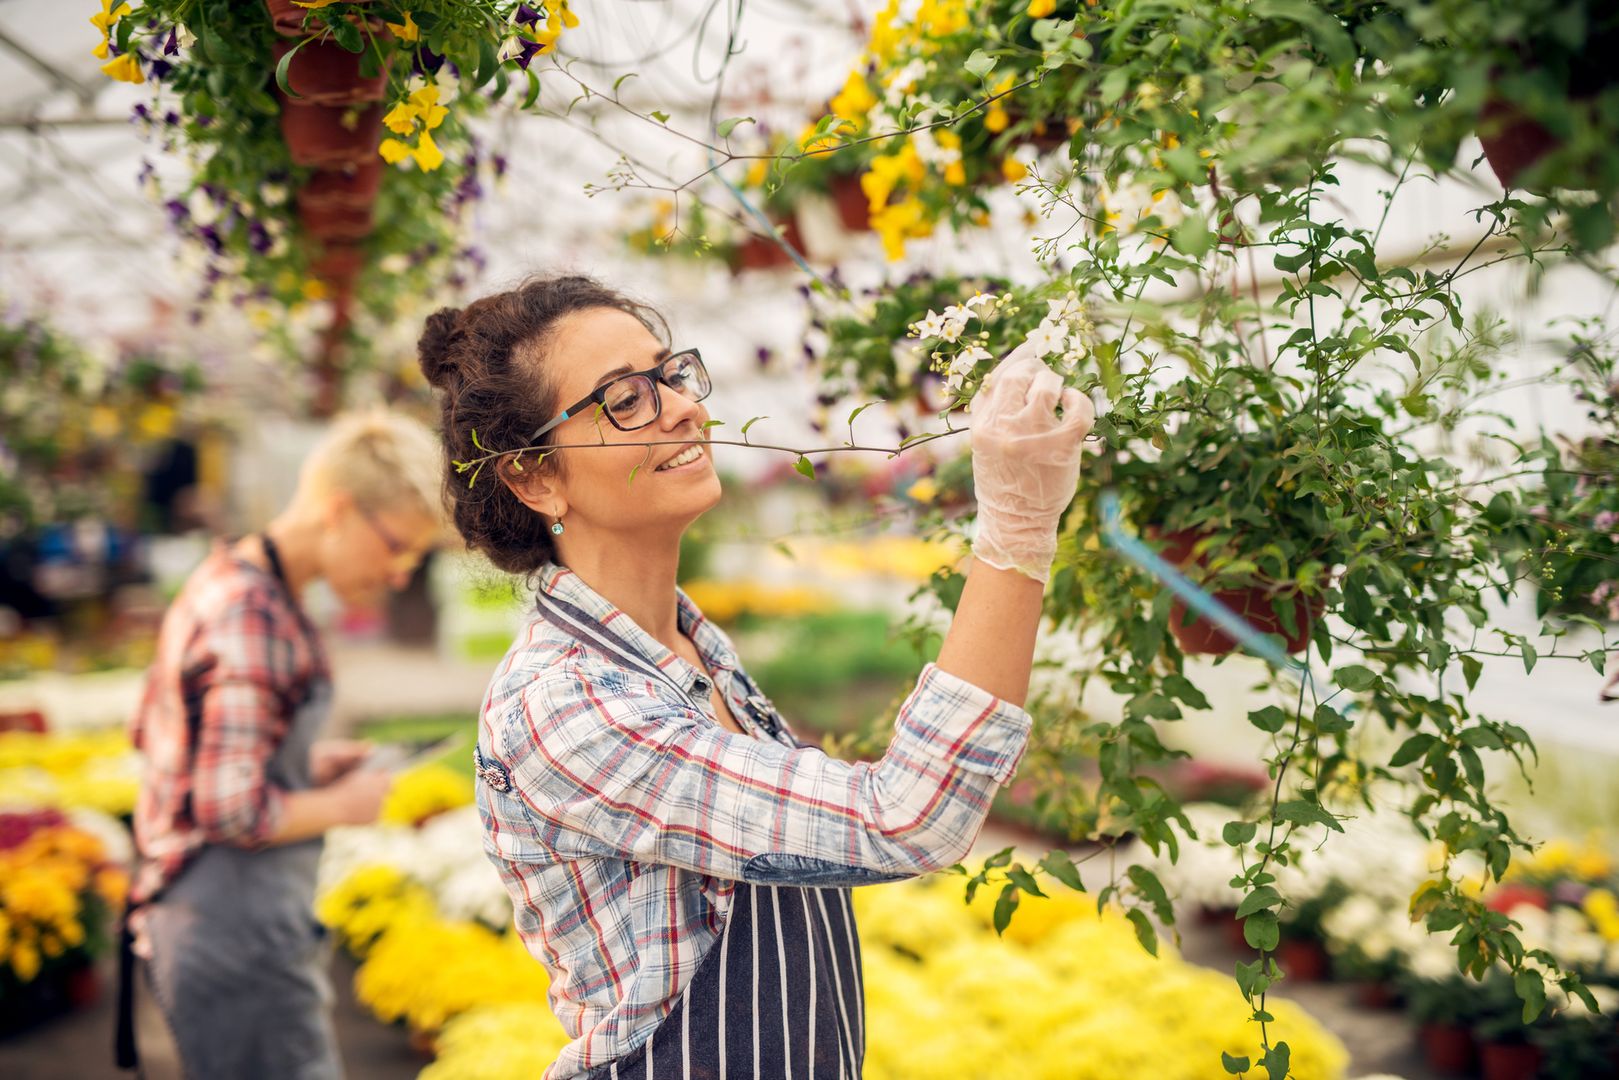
x=234, y=660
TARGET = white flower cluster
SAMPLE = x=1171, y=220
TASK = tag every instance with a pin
x=445, y=855
x=1132, y=201
x=1063, y=332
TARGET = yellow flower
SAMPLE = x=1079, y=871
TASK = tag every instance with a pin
x=1039, y=9
x=996, y=119
x=923, y=491
x=426, y=106
x=427, y=154
x=314, y=289
x=314, y=3
x=103, y=22
x=1013, y=170
x=955, y=173
x=401, y=119
x=393, y=151
x=25, y=962
x=855, y=100
x=758, y=169
x=569, y=19
x=407, y=30
x=124, y=68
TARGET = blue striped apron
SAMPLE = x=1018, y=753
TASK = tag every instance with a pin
x=781, y=993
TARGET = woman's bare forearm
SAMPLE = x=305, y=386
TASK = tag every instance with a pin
x=991, y=639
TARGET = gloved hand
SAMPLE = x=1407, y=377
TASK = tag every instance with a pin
x=1025, y=462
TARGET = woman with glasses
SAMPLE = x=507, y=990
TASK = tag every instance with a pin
x=678, y=859
x=238, y=787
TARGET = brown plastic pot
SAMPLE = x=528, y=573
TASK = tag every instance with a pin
x=1448, y=1048
x=1511, y=1061
x=1304, y=961
x=854, y=209
x=1251, y=604
x=317, y=136
x=763, y=253
x=335, y=222
x=338, y=262
x=325, y=73
x=353, y=186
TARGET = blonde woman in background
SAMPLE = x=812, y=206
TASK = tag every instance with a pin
x=238, y=788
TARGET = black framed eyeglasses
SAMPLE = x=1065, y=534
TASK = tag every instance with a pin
x=632, y=400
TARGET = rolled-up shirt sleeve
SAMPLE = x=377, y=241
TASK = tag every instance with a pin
x=243, y=679
x=609, y=767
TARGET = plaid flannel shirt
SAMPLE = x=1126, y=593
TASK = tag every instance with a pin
x=619, y=815
x=234, y=661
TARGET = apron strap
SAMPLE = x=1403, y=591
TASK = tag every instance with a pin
x=125, y=1054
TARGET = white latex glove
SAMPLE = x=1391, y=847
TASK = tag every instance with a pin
x=1025, y=462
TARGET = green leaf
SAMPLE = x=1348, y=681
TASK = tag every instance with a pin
x=1144, y=931
x=979, y=63
x=1269, y=719
x=1276, y=1061
x=750, y=423
x=1025, y=880
x=1303, y=812
x=1529, y=657
x=660, y=116
x=1472, y=668
x=1330, y=721
x=632, y=475
x=1531, y=989
x=284, y=64
x=1261, y=930
x=1237, y=833
x=1261, y=898
x=621, y=79
x=1148, y=885
x=1061, y=867
x=1355, y=677
x=533, y=94
x=1234, y=1065
x=712, y=423
x=804, y=467
x=1411, y=749
x=860, y=410
x=1181, y=687
x=1192, y=236
x=1004, y=906
x=724, y=128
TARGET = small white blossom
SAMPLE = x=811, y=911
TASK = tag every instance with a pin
x=931, y=326
x=952, y=328
x=1047, y=338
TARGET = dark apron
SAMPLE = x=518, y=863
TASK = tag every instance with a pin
x=781, y=993
x=238, y=964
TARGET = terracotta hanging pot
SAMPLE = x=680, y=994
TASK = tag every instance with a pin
x=316, y=134
x=1511, y=1061
x=1251, y=604
x=854, y=209
x=334, y=222
x=1448, y=1048
x=324, y=73
x=338, y=262
x=288, y=18
x=763, y=253
x=353, y=186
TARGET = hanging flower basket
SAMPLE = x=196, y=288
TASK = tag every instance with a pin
x=1252, y=604
x=325, y=73
x=288, y=18
x=354, y=186
x=334, y=222
x=317, y=135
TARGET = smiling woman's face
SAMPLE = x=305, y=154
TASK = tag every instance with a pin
x=594, y=493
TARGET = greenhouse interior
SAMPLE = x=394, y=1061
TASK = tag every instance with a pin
x=1253, y=626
